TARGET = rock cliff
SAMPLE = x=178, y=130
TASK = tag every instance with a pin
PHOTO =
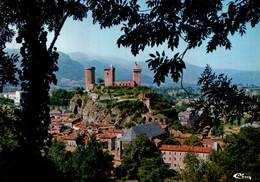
x=95, y=111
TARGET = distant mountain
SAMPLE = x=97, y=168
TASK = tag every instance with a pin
x=71, y=71
x=191, y=73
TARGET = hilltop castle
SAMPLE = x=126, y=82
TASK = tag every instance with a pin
x=110, y=77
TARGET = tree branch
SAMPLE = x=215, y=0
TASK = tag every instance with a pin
x=183, y=87
x=57, y=33
x=182, y=55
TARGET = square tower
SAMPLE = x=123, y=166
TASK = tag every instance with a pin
x=109, y=76
x=137, y=75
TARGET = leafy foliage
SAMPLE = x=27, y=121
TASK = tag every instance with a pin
x=61, y=97
x=100, y=81
x=222, y=100
x=33, y=20
x=90, y=162
x=130, y=92
x=60, y=158
x=176, y=125
x=168, y=22
x=193, y=140
x=198, y=170
x=131, y=107
x=6, y=101
x=170, y=141
x=8, y=69
x=242, y=153
x=8, y=134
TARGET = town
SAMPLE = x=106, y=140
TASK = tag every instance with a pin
x=170, y=133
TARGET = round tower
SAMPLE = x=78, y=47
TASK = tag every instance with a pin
x=137, y=75
x=90, y=78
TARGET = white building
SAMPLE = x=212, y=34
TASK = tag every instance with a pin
x=16, y=96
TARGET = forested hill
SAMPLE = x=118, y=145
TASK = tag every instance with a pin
x=71, y=70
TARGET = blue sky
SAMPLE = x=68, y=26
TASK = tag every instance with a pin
x=87, y=38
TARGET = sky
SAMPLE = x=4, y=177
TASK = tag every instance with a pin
x=77, y=36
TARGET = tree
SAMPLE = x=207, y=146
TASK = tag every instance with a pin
x=90, y=162
x=142, y=161
x=8, y=133
x=61, y=159
x=196, y=170
x=170, y=141
x=153, y=170
x=193, y=140
x=8, y=68
x=242, y=153
x=190, y=172
x=169, y=22
x=100, y=81
x=221, y=100
x=33, y=20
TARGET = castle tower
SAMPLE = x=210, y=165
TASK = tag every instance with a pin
x=137, y=75
x=90, y=78
x=109, y=76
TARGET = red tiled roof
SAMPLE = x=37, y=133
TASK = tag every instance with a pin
x=10, y=93
x=186, y=148
x=115, y=131
x=107, y=136
x=104, y=124
x=208, y=141
x=55, y=112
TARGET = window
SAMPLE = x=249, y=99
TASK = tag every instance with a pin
x=175, y=158
x=164, y=158
x=174, y=165
x=170, y=158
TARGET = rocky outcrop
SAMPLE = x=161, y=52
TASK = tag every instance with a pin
x=95, y=111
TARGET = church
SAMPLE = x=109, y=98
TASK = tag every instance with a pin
x=110, y=77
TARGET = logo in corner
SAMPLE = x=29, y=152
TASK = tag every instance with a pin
x=241, y=176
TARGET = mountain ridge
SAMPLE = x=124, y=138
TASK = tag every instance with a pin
x=71, y=71
x=191, y=73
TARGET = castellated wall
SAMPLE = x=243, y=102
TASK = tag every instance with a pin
x=130, y=83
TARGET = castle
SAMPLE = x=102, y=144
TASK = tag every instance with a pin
x=110, y=77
